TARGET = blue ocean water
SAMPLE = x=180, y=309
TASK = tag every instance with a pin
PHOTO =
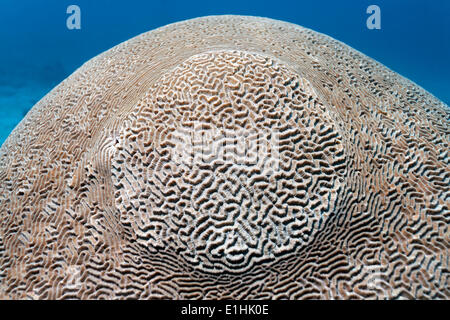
x=38, y=51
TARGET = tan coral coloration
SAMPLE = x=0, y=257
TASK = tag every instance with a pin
x=351, y=201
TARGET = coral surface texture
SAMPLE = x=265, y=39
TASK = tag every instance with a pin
x=228, y=157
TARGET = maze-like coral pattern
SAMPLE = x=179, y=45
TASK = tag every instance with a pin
x=228, y=157
x=225, y=208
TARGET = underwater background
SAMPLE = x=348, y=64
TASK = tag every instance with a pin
x=38, y=51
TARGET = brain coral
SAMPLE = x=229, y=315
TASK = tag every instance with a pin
x=228, y=157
